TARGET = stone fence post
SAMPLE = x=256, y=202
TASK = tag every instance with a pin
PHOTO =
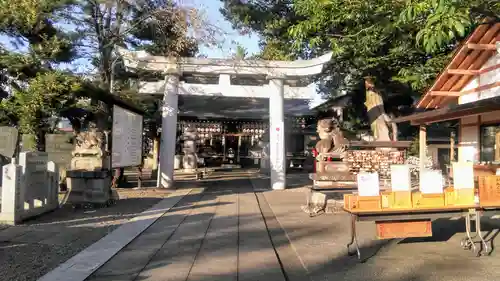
x=53, y=184
x=11, y=196
x=29, y=189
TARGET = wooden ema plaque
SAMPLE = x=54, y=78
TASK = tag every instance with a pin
x=403, y=229
x=489, y=191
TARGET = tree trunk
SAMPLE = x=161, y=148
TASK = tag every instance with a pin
x=376, y=113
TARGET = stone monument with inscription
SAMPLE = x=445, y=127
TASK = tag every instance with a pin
x=8, y=143
x=59, y=148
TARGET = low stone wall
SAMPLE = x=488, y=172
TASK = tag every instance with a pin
x=30, y=188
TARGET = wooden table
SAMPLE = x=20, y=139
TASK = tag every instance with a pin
x=472, y=212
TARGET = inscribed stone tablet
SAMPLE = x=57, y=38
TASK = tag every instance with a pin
x=8, y=141
x=368, y=184
x=463, y=175
x=431, y=182
x=59, y=148
x=400, y=178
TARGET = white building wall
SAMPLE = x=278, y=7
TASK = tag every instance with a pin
x=482, y=80
x=469, y=133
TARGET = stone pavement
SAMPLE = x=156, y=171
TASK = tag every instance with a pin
x=218, y=234
x=232, y=228
x=320, y=243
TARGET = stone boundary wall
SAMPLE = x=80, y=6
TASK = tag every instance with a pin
x=30, y=188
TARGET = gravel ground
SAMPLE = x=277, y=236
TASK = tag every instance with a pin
x=30, y=250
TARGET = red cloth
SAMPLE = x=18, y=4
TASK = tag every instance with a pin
x=315, y=154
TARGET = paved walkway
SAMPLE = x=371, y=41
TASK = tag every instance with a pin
x=231, y=229
x=320, y=243
x=218, y=234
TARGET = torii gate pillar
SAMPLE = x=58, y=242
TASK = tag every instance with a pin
x=168, y=131
x=277, y=152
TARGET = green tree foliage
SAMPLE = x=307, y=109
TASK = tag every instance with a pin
x=48, y=95
x=403, y=45
x=38, y=92
x=271, y=19
x=442, y=22
x=165, y=32
x=240, y=52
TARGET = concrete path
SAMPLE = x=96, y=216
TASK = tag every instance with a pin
x=93, y=257
x=320, y=243
x=219, y=234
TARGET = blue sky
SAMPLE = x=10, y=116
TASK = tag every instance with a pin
x=229, y=38
x=211, y=9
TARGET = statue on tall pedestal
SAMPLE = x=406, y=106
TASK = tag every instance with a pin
x=89, y=178
x=331, y=170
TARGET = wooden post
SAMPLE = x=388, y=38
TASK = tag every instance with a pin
x=497, y=146
x=139, y=176
x=422, y=147
x=452, y=147
x=224, y=147
x=156, y=150
x=238, y=151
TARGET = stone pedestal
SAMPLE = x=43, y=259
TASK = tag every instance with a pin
x=189, y=162
x=178, y=162
x=190, y=159
x=89, y=187
x=264, y=160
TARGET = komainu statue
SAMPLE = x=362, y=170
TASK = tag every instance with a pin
x=89, y=143
x=332, y=143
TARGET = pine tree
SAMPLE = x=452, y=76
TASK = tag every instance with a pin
x=33, y=90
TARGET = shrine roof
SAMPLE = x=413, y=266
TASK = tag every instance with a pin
x=466, y=64
x=237, y=107
x=451, y=112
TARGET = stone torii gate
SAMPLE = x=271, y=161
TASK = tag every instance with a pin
x=279, y=80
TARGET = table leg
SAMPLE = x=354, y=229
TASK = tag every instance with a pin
x=484, y=247
x=354, y=239
x=467, y=243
